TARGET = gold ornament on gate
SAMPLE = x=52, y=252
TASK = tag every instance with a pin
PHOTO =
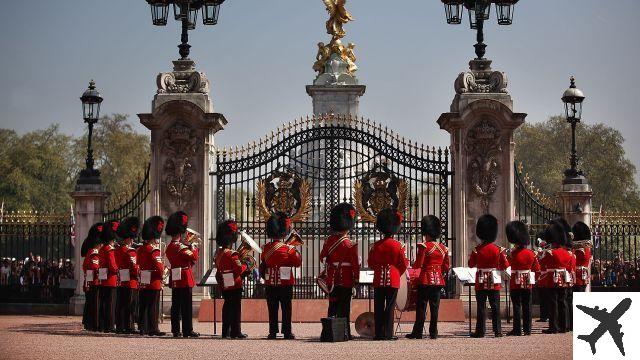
x=286, y=192
x=379, y=189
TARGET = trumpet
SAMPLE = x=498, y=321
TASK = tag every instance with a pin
x=193, y=237
x=294, y=239
x=246, y=246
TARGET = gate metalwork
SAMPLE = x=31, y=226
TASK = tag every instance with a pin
x=533, y=207
x=616, y=249
x=331, y=154
x=134, y=205
x=40, y=234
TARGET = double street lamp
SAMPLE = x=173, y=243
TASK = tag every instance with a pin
x=91, y=100
x=185, y=11
x=572, y=99
x=479, y=11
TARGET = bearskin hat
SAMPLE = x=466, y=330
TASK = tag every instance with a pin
x=93, y=237
x=227, y=233
x=389, y=221
x=152, y=228
x=342, y=217
x=109, y=231
x=555, y=234
x=129, y=228
x=177, y=223
x=487, y=228
x=430, y=225
x=567, y=230
x=581, y=231
x=517, y=233
x=278, y=225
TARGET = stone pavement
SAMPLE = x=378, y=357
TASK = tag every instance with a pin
x=60, y=337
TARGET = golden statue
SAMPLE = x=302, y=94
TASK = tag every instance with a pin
x=338, y=16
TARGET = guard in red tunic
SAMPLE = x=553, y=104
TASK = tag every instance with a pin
x=555, y=277
x=279, y=259
x=128, y=270
x=433, y=261
x=230, y=271
x=340, y=257
x=388, y=260
x=181, y=257
x=108, y=276
x=582, y=250
x=151, y=270
x=490, y=261
x=90, y=265
x=524, y=266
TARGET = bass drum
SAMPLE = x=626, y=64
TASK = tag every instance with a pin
x=365, y=325
x=408, y=291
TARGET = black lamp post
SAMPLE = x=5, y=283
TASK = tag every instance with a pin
x=91, y=101
x=185, y=11
x=479, y=11
x=572, y=99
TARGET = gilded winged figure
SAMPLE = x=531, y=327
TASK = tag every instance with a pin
x=338, y=16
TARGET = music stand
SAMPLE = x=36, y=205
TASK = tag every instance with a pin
x=209, y=280
x=466, y=276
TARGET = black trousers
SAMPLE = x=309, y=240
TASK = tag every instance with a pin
x=90, y=313
x=182, y=309
x=521, y=299
x=231, y=312
x=569, y=308
x=580, y=288
x=279, y=296
x=149, y=302
x=558, y=309
x=124, y=309
x=340, y=304
x=430, y=294
x=543, y=299
x=494, y=301
x=384, y=303
x=107, y=306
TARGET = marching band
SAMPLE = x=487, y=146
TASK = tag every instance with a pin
x=123, y=279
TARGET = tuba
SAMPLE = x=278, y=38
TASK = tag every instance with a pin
x=294, y=239
x=193, y=237
x=248, y=245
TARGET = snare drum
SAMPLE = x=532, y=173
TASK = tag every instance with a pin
x=408, y=291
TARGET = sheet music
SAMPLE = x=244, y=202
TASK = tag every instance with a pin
x=366, y=277
x=465, y=275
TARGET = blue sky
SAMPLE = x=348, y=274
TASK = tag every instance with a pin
x=259, y=57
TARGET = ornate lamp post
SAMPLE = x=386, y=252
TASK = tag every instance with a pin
x=572, y=99
x=91, y=101
x=479, y=12
x=185, y=11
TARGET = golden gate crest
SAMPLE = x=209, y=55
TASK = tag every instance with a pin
x=286, y=192
x=379, y=189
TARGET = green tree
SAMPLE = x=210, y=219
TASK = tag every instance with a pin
x=544, y=149
x=37, y=170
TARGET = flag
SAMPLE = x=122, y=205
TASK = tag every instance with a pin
x=73, y=228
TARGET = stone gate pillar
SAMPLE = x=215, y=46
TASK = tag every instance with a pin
x=183, y=125
x=576, y=197
x=89, y=199
x=481, y=123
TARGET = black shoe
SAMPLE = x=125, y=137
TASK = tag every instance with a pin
x=119, y=331
x=225, y=336
x=498, y=334
x=413, y=336
x=476, y=335
x=350, y=337
x=289, y=337
x=393, y=338
x=240, y=336
x=157, y=333
x=177, y=335
x=514, y=333
x=433, y=336
x=272, y=337
x=527, y=333
x=192, y=334
x=549, y=331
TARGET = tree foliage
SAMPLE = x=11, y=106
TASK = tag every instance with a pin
x=544, y=149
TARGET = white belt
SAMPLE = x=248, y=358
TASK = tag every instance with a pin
x=522, y=272
x=552, y=270
x=341, y=264
x=487, y=270
x=581, y=268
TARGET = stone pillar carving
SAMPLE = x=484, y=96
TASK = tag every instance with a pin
x=89, y=206
x=183, y=125
x=481, y=123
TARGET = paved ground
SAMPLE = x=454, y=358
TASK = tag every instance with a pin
x=59, y=337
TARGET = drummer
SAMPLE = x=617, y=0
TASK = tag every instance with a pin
x=433, y=263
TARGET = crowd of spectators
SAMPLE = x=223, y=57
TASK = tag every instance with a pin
x=618, y=273
x=34, y=279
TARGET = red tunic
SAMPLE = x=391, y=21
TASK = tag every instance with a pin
x=91, y=262
x=488, y=257
x=433, y=261
x=126, y=258
x=108, y=261
x=583, y=261
x=343, y=265
x=184, y=257
x=280, y=258
x=523, y=262
x=149, y=259
x=388, y=261
x=228, y=262
x=553, y=265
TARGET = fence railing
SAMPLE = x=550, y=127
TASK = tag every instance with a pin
x=134, y=205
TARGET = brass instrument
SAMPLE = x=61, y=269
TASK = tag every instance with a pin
x=248, y=245
x=193, y=237
x=294, y=239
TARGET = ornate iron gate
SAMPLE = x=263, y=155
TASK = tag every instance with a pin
x=308, y=166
